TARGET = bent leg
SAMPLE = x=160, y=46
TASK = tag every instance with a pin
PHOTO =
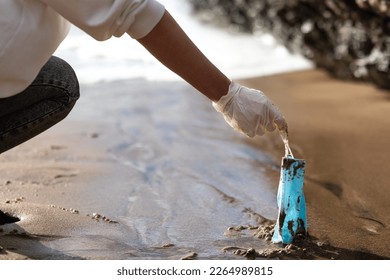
x=48, y=100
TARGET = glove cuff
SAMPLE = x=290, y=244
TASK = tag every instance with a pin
x=220, y=105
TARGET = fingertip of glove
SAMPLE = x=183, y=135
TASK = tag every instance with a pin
x=271, y=127
x=281, y=124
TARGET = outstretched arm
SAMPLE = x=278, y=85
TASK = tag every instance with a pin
x=172, y=47
x=246, y=110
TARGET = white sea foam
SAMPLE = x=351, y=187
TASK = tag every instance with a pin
x=237, y=55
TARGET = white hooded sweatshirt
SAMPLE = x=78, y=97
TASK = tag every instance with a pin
x=31, y=31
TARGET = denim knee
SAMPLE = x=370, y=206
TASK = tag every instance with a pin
x=62, y=73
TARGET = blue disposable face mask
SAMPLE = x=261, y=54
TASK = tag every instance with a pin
x=291, y=221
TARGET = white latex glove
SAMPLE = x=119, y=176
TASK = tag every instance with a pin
x=249, y=111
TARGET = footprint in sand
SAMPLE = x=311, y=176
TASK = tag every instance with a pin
x=371, y=225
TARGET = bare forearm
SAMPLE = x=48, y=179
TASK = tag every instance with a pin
x=172, y=47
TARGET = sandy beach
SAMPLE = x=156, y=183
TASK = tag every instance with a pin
x=340, y=129
x=148, y=170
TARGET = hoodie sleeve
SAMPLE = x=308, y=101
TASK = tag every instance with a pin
x=103, y=19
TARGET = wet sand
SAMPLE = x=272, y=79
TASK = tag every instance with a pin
x=342, y=130
x=143, y=170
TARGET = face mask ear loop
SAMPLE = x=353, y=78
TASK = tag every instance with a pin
x=287, y=149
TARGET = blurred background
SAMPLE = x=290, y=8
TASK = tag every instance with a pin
x=349, y=38
x=238, y=54
x=246, y=38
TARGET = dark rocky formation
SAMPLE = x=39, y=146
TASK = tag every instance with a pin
x=349, y=38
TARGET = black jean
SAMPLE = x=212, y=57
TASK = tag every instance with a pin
x=48, y=100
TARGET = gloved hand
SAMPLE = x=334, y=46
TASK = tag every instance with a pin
x=249, y=111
